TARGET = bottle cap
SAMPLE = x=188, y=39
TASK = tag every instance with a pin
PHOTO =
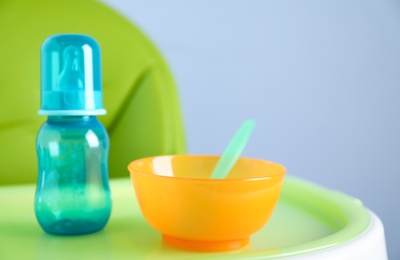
x=71, y=76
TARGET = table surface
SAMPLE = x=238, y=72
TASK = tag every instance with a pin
x=307, y=218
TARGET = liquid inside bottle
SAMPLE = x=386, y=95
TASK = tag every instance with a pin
x=73, y=195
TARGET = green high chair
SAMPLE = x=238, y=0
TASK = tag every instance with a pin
x=143, y=114
x=143, y=119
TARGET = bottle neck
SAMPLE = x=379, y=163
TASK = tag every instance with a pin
x=71, y=119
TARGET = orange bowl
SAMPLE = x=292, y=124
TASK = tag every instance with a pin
x=193, y=212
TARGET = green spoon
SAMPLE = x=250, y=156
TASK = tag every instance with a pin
x=233, y=151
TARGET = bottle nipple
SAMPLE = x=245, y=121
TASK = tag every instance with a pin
x=71, y=76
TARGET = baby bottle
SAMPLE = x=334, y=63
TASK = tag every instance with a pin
x=73, y=194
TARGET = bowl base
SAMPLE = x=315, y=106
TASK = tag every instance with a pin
x=205, y=246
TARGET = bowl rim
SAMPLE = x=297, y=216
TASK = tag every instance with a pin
x=132, y=170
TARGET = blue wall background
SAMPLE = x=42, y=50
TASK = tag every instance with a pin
x=321, y=78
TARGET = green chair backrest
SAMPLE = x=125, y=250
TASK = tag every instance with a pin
x=140, y=96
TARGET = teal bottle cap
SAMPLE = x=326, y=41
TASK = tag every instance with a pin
x=71, y=76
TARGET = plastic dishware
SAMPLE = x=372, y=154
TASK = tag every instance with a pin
x=233, y=150
x=73, y=195
x=178, y=198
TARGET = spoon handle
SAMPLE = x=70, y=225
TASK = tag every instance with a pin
x=233, y=150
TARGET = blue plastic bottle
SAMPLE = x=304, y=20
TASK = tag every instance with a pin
x=73, y=195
